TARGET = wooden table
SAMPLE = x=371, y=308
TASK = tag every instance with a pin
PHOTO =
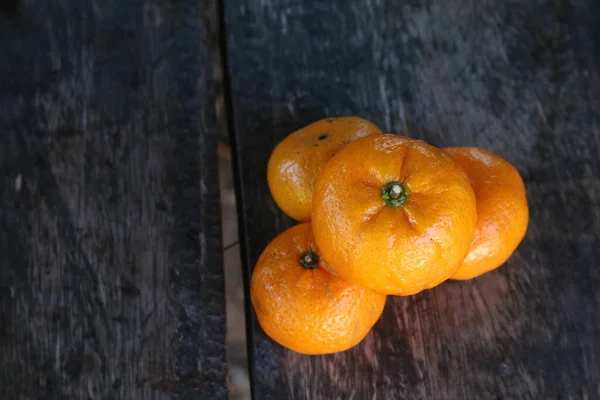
x=519, y=78
x=111, y=279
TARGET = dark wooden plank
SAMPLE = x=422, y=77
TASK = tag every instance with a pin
x=111, y=280
x=520, y=78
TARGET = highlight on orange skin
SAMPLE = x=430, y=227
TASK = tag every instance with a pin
x=502, y=210
x=306, y=308
x=299, y=158
x=398, y=250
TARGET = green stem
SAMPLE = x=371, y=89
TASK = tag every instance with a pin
x=310, y=259
x=394, y=194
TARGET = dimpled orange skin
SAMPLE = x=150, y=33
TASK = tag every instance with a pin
x=300, y=157
x=394, y=250
x=502, y=212
x=309, y=311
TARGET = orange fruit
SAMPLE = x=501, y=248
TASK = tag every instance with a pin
x=299, y=158
x=304, y=307
x=393, y=214
x=502, y=212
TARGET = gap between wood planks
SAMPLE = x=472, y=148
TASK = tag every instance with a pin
x=234, y=282
x=237, y=354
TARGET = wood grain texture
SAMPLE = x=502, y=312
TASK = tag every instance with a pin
x=111, y=280
x=519, y=78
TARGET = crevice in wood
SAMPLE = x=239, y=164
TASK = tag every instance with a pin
x=229, y=116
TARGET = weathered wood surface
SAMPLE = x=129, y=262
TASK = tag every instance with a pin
x=520, y=78
x=111, y=283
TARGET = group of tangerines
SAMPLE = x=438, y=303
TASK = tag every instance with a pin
x=380, y=214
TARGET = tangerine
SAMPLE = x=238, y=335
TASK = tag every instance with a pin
x=393, y=214
x=303, y=306
x=299, y=158
x=502, y=211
